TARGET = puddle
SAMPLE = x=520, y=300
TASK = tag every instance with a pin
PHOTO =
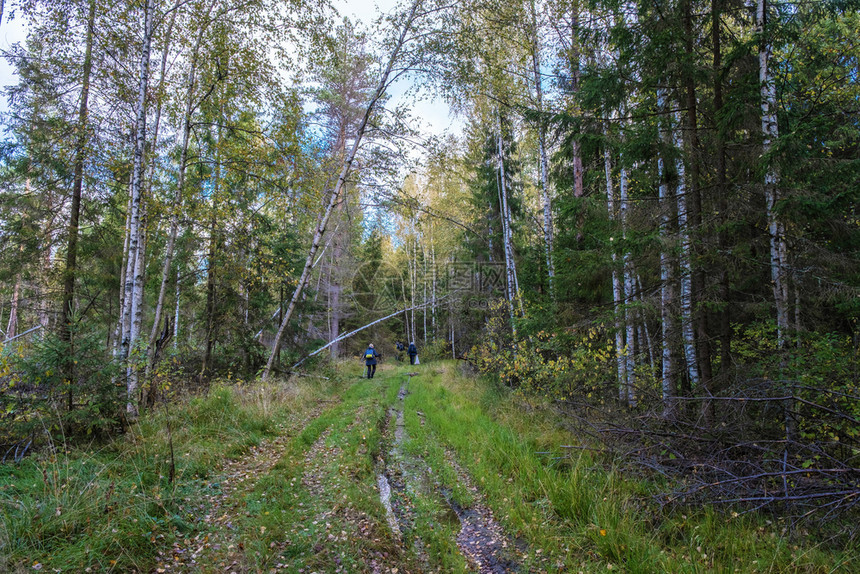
x=482, y=541
x=385, y=497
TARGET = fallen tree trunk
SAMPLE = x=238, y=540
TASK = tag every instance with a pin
x=371, y=324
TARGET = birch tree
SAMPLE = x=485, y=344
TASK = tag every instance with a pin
x=770, y=132
x=382, y=86
x=130, y=317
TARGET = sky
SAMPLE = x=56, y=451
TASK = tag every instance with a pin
x=10, y=32
x=434, y=114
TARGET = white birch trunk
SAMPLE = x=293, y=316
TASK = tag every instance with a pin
x=176, y=314
x=380, y=90
x=667, y=282
x=451, y=320
x=118, y=331
x=177, y=194
x=542, y=152
x=413, y=273
x=628, y=294
x=131, y=305
x=12, y=326
x=433, y=294
x=133, y=372
x=507, y=235
x=685, y=265
x=617, y=291
x=769, y=128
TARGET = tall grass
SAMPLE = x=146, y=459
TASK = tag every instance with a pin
x=581, y=513
x=111, y=506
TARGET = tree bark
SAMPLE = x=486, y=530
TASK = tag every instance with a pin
x=514, y=299
x=629, y=389
x=341, y=181
x=770, y=132
x=180, y=184
x=668, y=326
x=725, y=327
x=687, y=331
x=433, y=270
x=12, y=326
x=694, y=206
x=617, y=290
x=67, y=310
x=211, y=259
x=176, y=314
x=542, y=153
x=132, y=304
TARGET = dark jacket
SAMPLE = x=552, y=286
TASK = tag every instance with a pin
x=412, y=349
x=374, y=355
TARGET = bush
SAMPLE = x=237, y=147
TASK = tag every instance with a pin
x=36, y=395
x=438, y=349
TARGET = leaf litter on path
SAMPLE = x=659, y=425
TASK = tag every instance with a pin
x=217, y=546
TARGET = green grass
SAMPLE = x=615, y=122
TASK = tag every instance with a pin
x=579, y=515
x=110, y=507
x=344, y=524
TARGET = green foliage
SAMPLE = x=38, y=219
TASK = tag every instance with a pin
x=820, y=369
x=39, y=395
x=435, y=349
x=577, y=512
x=553, y=365
x=110, y=506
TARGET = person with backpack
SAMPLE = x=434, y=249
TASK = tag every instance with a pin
x=413, y=352
x=370, y=356
x=400, y=348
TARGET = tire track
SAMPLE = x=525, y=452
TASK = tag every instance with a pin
x=219, y=545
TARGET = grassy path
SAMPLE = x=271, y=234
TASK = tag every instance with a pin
x=421, y=469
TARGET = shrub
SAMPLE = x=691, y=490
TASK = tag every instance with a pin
x=36, y=395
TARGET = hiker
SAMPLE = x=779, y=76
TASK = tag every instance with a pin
x=400, y=348
x=370, y=356
x=413, y=352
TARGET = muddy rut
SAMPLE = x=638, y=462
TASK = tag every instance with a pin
x=480, y=539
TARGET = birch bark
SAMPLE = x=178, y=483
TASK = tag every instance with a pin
x=542, y=152
x=507, y=236
x=628, y=289
x=12, y=326
x=685, y=265
x=617, y=291
x=770, y=132
x=668, y=327
x=131, y=305
x=180, y=184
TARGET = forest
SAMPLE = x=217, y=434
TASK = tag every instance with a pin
x=642, y=222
